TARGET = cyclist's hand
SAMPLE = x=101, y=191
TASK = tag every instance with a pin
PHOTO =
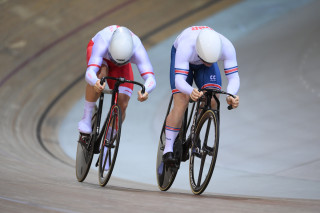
x=233, y=101
x=142, y=97
x=99, y=88
x=195, y=95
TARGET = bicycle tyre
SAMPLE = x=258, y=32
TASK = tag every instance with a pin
x=84, y=155
x=208, y=145
x=114, y=122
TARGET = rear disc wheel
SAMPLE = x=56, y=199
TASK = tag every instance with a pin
x=165, y=174
x=85, y=153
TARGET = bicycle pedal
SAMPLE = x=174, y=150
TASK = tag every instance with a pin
x=198, y=155
x=196, y=152
x=84, y=139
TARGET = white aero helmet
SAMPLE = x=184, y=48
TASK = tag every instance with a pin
x=208, y=45
x=121, y=46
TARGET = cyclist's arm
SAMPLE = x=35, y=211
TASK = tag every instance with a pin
x=182, y=70
x=141, y=59
x=182, y=85
x=98, y=51
x=230, y=65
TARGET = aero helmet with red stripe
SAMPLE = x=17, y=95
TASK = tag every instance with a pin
x=208, y=45
x=121, y=46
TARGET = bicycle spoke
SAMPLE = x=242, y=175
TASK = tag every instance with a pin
x=209, y=150
x=100, y=160
x=203, y=160
x=113, y=125
x=105, y=159
x=112, y=138
x=207, y=132
x=109, y=157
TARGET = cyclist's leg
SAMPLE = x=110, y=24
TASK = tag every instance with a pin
x=174, y=120
x=91, y=96
x=123, y=101
x=180, y=103
x=125, y=90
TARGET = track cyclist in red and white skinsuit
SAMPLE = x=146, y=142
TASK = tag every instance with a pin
x=194, y=57
x=110, y=53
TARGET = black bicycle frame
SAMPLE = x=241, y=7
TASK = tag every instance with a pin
x=114, y=99
x=209, y=93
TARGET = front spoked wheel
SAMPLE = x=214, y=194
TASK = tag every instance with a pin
x=85, y=152
x=204, y=152
x=110, y=145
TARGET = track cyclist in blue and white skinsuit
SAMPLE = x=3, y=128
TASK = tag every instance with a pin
x=194, y=57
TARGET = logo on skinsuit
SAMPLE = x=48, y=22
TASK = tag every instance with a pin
x=213, y=78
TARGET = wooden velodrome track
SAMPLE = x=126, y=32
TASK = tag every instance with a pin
x=42, y=65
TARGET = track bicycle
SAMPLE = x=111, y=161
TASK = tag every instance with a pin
x=203, y=141
x=100, y=143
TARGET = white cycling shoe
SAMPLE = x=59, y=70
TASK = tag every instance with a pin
x=84, y=126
